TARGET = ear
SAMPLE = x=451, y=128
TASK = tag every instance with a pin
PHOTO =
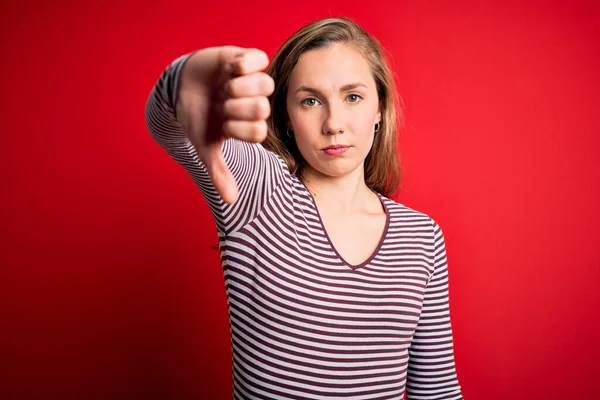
x=378, y=116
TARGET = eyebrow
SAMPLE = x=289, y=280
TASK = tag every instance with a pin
x=344, y=88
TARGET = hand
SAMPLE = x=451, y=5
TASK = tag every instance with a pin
x=222, y=94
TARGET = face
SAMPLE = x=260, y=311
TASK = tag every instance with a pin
x=333, y=107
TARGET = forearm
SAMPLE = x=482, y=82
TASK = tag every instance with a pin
x=432, y=371
x=256, y=171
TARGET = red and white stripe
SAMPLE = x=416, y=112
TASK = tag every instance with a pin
x=304, y=323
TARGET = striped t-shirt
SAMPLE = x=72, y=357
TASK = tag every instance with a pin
x=305, y=324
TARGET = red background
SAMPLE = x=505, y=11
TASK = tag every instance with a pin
x=110, y=285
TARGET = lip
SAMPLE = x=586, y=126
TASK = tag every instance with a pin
x=335, y=149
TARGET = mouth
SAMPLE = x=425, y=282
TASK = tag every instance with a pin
x=335, y=149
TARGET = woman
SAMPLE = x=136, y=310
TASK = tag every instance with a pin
x=334, y=290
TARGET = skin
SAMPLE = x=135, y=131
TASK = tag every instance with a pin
x=224, y=93
x=332, y=100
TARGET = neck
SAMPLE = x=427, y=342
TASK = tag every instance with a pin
x=349, y=193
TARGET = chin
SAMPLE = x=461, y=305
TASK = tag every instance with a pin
x=336, y=169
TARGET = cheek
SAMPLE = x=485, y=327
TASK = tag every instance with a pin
x=304, y=142
x=306, y=127
x=300, y=126
x=301, y=119
x=364, y=126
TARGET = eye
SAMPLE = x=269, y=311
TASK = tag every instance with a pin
x=354, y=98
x=310, y=102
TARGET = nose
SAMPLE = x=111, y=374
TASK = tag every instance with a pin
x=334, y=124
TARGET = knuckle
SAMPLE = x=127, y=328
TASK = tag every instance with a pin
x=263, y=109
x=267, y=83
x=258, y=109
x=228, y=127
x=227, y=108
x=228, y=88
x=232, y=88
x=260, y=130
x=243, y=67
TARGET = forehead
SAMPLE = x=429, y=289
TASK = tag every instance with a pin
x=331, y=67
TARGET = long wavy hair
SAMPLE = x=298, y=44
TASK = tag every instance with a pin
x=382, y=168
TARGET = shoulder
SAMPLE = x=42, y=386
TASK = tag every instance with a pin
x=401, y=210
x=404, y=217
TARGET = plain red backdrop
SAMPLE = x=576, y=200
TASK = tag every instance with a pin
x=110, y=283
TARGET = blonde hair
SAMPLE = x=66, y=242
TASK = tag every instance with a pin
x=382, y=167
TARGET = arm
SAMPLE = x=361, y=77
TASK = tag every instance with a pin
x=256, y=171
x=431, y=368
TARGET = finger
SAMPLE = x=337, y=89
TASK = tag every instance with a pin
x=247, y=61
x=256, y=84
x=220, y=175
x=247, y=108
x=249, y=131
